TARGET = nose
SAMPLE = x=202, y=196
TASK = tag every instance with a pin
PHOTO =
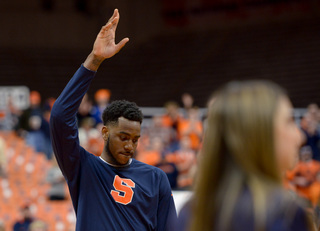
x=129, y=147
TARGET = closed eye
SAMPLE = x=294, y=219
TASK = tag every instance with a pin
x=124, y=138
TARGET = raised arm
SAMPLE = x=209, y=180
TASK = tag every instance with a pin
x=63, y=124
x=104, y=47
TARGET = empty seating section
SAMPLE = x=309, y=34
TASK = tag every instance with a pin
x=26, y=185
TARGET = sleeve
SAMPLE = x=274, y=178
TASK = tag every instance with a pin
x=63, y=123
x=167, y=214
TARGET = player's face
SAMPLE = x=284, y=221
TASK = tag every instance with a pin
x=288, y=137
x=121, y=141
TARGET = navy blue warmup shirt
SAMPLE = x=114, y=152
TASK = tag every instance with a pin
x=135, y=197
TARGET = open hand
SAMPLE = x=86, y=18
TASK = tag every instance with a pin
x=104, y=46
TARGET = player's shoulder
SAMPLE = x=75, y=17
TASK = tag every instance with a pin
x=146, y=168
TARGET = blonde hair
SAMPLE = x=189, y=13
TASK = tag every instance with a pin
x=238, y=152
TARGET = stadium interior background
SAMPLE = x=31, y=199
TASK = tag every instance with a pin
x=175, y=47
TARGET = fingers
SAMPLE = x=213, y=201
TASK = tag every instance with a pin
x=115, y=19
x=112, y=24
x=107, y=26
x=112, y=21
x=121, y=44
x=115, y=14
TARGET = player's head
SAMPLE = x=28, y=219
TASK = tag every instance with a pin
x=122, y=124
x=250, y=140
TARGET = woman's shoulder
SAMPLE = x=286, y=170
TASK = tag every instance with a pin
x=286, y=212
x=282, y=212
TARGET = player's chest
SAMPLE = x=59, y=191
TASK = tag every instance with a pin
x=123, y=188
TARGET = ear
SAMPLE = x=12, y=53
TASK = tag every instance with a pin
x=105, y=132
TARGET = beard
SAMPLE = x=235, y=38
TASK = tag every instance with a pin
x=109, y=153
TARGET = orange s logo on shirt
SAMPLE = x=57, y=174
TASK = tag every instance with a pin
x=123, y=192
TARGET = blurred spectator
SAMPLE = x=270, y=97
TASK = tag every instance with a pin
x=90, y=137
x=171, y=119
x=101, y=97
x=192, y=127
x=165, y=133
x=288, y=184
x=305, y=173
x=24, y=124
x=313, y=110
x=152, y=155
x=86, y=126
x=9, y=116
x=3, y=159
x=96, y=143
x=315, y=192
x=34, y=127
x=38, y=225
x=171, y=171
x=187, y=102
x=309, y=127
x=84, y=109
x=172, y=116
x=57, y=182
x=153, y=150
x=25, y=220
x=185, y=161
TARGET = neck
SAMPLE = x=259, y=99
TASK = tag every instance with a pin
x=115, y=165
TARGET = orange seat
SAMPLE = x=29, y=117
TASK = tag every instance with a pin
x=26, y=181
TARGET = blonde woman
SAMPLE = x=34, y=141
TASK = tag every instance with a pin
x=250, y=141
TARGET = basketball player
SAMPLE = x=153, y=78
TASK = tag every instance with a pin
x=113, y=191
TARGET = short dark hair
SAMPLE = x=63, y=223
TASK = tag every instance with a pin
x=121, y=108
